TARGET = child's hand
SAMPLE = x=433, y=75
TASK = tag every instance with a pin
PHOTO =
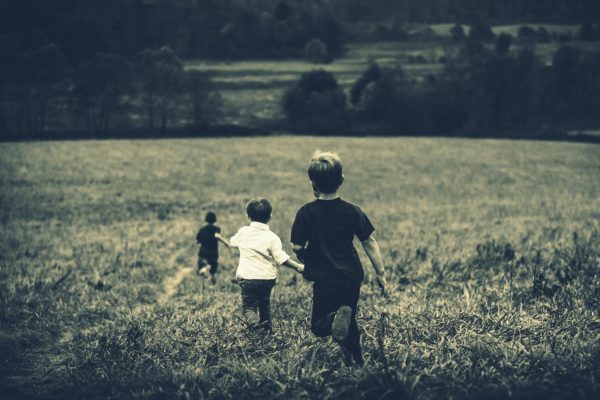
x=300, y=269
x=382, y=283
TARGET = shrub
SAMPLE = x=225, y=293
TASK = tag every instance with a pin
x=315, y=52
x=587, y=32
x=315, y=102
x=503, y=43
x=371, y=74
x=458, y=33
x=526, y=34
x=481, y=32
x=542, y=35
x=387, y=96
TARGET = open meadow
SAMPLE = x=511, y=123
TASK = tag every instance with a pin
x=492, y=251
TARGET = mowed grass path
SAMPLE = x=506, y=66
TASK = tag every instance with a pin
x=91, y=231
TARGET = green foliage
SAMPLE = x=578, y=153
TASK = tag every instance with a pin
x=162, y=77
x=481, y=91
x=205, y=104
x=391, y=98
x=481, y=32
x=458, y=33
x=526, y=34
x=101, y=82
x=588, y=32
x=503, y=43
x=315, y=102
x=316, y=52
x=371, y=74
x=33, y=75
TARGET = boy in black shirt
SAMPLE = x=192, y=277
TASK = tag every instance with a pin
x=322, y=235
x=208, y=237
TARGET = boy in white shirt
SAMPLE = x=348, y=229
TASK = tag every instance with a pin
x=260, y=253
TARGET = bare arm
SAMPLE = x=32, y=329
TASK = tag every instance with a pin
x=222, y=239
x=294, y=265
x=372, y=249
x=299, y=251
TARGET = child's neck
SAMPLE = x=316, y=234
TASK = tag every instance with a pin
x=328, y=196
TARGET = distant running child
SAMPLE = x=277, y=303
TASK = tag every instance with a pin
x=322, y=235
x=260, y=254
x=209, y=237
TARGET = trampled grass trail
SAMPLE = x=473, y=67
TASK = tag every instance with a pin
x=170, y=284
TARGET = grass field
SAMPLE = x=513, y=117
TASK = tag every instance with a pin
x=492, y=252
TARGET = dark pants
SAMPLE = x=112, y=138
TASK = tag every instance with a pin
x=327, y=299
x=203, y=261
x=256, y=294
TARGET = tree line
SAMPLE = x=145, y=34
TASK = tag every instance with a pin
x=486, y=89
x=253, y=28
x=40, y=90
x=101, y=65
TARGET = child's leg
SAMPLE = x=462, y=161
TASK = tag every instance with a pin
x=249, y=301
x=327, y=299
x=351, y=345
x=214, y=265
x=325, y=305
x=201, y=263
x=264, y=303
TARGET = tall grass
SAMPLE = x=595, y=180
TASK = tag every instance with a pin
x=492, y=250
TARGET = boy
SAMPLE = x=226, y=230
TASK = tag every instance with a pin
x=260, y=253
x=328, y=225
x=209, y=237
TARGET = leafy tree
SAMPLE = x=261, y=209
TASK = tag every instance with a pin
x=316, y=102
x=161, y=74
x=371, y=74
x=329, y=31
x=316, y=52
x=542, y=35
x=388, y=97
x=481, y=32
x=42, y=79
x=503, y=43
x=282, y=11
x=9, y=70
x=526, y=34
x=205, y=104
x=458, y=33
x=101, y=82
x=587, y=32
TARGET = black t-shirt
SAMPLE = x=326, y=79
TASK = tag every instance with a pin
x=209, y=247
x=329, y=226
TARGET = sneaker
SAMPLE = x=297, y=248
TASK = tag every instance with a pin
x=353, y=359
x=341, y=322
x=251, y=318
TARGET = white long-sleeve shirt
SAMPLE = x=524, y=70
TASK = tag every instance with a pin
x=260, y=252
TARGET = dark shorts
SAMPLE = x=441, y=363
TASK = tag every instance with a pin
x=212, y=261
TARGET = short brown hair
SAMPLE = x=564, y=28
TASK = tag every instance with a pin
x=259, y=210
x=325, y=171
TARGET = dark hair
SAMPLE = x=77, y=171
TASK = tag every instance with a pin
x=211, y=217
x=325, y=171
x=259, y=210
